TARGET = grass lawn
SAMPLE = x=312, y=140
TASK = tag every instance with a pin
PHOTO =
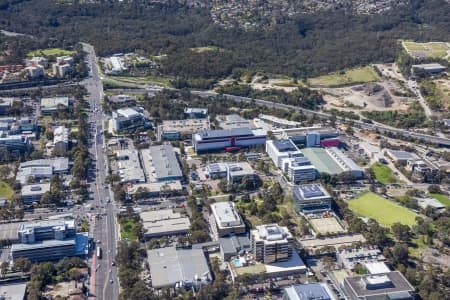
x=384, y=174
x=164, y=81
x=442, y=198
x=382, y=210
x=5, y=190
x=50, y=52
x=430, y=50
x=347, y=77
x=127, y=232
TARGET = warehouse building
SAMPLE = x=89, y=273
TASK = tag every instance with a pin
x=312, y=198
x=129, y=166
x=225, y=220
x=41, y=169
x=178, y=268
x=233, y=121
x=161, y=164
x=400, y=156
x=157, y=189
x=213, y=140
x=332, y=161
x=166, y=222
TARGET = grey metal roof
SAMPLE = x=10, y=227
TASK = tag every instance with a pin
x=309, y=291
x=14, y=291
x=224, y=133
x=165, y=161
x=169, y=266
x=233, y=244
x=284, y=145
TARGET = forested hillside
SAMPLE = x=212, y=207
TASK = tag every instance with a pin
x=310, y=45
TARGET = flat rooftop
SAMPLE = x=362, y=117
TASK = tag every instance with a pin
x=224, y=133
x=401, y=155
x=169, y=266
x=161, y=163
x=310, y=191
x=239, y=168
x=167, y=226
x=335, y=241
x=187, y=126
x=10, y=231
x=226, y=214
x=284, y=145
x=379, y=284
x=323, y=162
x=15, y=291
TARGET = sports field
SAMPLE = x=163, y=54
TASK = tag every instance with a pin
x=50, y=52
x=427, y=50
x=382, y=210
x=347, y=77
x=442, y=198
x=5, y=190
x=384, y=174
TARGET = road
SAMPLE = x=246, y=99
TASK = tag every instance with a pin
x=104, y=283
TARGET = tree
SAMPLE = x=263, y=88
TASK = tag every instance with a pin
x=22, y=264
x=400, y=253
x=434, y=189
x=401, y=232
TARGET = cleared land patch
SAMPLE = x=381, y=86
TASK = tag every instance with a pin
x=384, y=174
x=427, y=50
x=5, y=190
x=50, y=52
x=385, y=212
x=346, y=77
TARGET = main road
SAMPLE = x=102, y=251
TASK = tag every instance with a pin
x=104, y=282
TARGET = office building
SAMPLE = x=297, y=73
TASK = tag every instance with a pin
x=128, y=118
x=54, y=104
x=129, y=166
x=63, y=66
x=312, y=198
x=49, y=240
x=34, y=192
x=376, y=267
x=225, y=220
x=281, y=149
x=35, y=71
x=41, y=169
x=349, y=258
x=60, y=139
x=195, y=113
x=37, y=60
x=216, y=170
x=299, y=169
x=158, y=223
x=119, y=101
x=210, y=140
x=233, y=121
x=308, y=291
x=237, y=171
x=13, y=291
x=313, y=134
x=271, y=243
x=15, y=143
x=178, y=268
x=5, y=105
x=161, y=164
x=173, y=130
x=332, y=161
x=391, y=285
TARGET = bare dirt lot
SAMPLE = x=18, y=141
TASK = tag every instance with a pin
x=326, y=226
x=379, y=96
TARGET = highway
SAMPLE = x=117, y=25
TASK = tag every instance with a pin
x=104, y=282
